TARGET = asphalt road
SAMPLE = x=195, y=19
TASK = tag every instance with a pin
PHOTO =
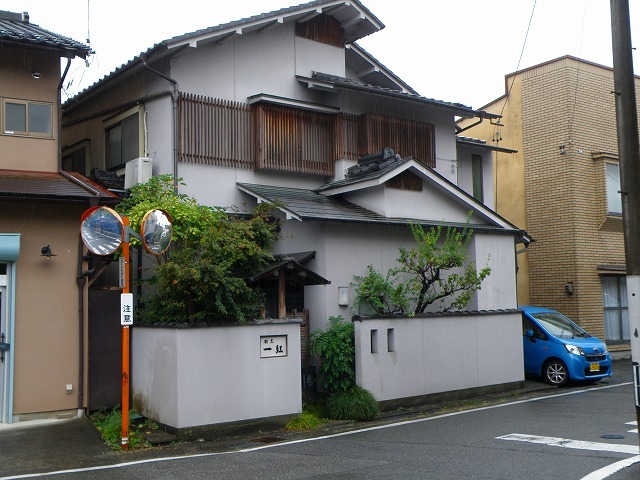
x=576, y=433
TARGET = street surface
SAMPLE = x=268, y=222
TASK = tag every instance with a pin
x=575, y=433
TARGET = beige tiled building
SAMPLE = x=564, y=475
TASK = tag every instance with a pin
x=562, y=186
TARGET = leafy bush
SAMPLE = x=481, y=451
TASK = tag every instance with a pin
x=202, y=277
x=356, y=404
x=335, y=349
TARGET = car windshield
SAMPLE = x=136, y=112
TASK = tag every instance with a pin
x=559, y=326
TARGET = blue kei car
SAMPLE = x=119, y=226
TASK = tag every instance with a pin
x=559, y=351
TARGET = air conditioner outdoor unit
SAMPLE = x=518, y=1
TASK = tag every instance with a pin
x=137, y=171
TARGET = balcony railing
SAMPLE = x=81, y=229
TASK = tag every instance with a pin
x=276, y=137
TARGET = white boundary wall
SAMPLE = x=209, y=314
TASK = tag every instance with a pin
x=188, y=377
x=409, y=357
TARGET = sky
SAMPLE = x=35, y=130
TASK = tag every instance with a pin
x=455, y=51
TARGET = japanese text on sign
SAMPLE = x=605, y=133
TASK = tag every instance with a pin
x=126, y=309
x=273, y=346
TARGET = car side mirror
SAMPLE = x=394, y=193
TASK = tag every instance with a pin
x=529, y=334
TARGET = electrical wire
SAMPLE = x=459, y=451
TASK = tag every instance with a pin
x=521, y=54
x=575, y=90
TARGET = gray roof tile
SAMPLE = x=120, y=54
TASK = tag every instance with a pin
x=310, y=205
x=49, y=186
x=15, y=28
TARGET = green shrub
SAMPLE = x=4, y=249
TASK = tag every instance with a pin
x=109, y=424
x=335, y=349
x=203, y=277
x=356, y=404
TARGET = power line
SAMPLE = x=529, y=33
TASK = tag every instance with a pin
x=521, y=54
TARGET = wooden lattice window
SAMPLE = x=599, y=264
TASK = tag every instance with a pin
x=295, y=140
x=405, y=137
x=405, y=181
x=215, y=132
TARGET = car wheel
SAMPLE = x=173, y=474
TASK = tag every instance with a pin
x=555, y=372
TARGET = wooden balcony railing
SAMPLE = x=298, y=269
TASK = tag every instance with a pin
x=282, y=138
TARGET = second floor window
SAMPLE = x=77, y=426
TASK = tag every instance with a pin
x=23, y=117
x=122, y=141
x=614, y=200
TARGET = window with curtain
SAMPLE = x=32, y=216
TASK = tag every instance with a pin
x=616, y=310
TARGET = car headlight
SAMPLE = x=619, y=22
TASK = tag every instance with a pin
x=574, y=349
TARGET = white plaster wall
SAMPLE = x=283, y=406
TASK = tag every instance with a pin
x=446, y=154
x=465, y=175
x=429, y=204
x=158, y=118
x=206, y=376
x=344, y=250
x=217, y=185
x=439, y=354
x=499, y=288
x=245, y=65
x=319, y=57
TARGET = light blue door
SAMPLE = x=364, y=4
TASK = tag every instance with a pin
x=4, y=354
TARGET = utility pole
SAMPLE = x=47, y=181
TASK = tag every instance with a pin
x=629, y=158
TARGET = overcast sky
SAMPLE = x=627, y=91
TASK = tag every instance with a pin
x=456, y=51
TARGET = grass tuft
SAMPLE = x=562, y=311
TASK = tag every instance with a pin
x=356, y=404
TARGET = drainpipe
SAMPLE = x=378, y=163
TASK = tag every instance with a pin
x=174, y=101
x=82, y=280
x=66, y=70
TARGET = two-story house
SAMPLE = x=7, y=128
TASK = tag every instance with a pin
x=42, y=287
x=285, y=106
x=563, y=186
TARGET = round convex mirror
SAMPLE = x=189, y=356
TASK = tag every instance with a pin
x=101, y=230
x=156, y=231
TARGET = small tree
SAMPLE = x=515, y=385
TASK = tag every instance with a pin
x=437, y=269
x=202, y=277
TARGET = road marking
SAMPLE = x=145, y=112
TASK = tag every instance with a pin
x=635, y=430
x=568, y=443
x=600, y=474
x=315, y=439
x=611, y=469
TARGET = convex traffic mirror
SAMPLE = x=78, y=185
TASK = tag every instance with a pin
x=156, y=231
x=102, y=230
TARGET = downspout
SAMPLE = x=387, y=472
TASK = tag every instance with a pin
x=174, y=100
x=66, y=70
x=80, y=280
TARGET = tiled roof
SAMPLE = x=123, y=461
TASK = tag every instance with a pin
x=352, y=33
x=367, y=25
x=370, y=174
x=15, y=28
x=46, y=186
x=349, y=84
x=309, y=205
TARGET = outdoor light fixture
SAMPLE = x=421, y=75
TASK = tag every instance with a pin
x=343, y=296
x=36, y=75
x=46, y=252
x=568, y=288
